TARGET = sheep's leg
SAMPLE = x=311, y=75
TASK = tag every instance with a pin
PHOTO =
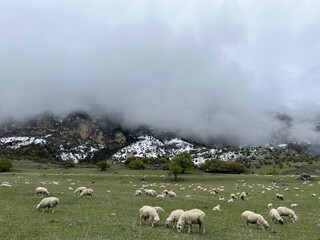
x=189, y=229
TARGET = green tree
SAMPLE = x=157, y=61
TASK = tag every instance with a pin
x=5, y=165
x=175, y=169
x=184, y=161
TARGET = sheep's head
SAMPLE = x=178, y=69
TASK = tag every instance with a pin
x=295, y=218
x=179, y=226
x=168, y=223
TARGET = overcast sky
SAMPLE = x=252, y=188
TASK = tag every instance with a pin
x=216, y=69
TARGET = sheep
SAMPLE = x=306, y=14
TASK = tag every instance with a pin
x=171, y=194
x=173, y=218
x=49, y=202
x=280, y=197
x=269, y=205
x=217, y=208
x=86, y=192
x=161, y=196
x=41, y=191
x=79, y=190
x=275, y=216
x=221, y=198
x=193, y=216
x=294, y=205
x=254, y=218
x=150, y=192
x=147, y=212
x=233, y=196
x=138, y=193
x=159, y=209
x=5, y=184
x=243, y=196
x=284, y=211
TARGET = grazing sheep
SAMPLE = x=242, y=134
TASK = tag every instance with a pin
x=280, y=197
x=79, y=190
x=86, y=192
x=221, y=198
x=49, y=202
x=233, y=196
x=275, y=216
x=161, y=196
x=254, y=218
x=150, y=192
x=138, y=193
x=171, y=194
x=284, y=211
x=5, y=184
x=217, y=208
x=243, y=196
x=147, y=212
x=41, y=191
x=173, y=218
x=159, y=209
x=193, y=216
x=269, y=205
x=294, y=205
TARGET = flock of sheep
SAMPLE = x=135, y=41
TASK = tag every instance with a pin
x=180, y=218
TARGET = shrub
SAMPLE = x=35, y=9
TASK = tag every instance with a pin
x=219, y=166
x=136, y=164
x=273, y=171
x=5, y=165
x=103, y=165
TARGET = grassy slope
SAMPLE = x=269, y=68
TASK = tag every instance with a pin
x=113, y=211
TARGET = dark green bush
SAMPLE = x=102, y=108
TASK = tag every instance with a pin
x=103, y=165
x=5, y=165
x=219, y=166
x=136, y=164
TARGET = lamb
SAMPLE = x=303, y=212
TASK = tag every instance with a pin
x=86, y=192
x=41, y=191
x=275, y=216
x=284, y=211
x=49, y=202
x=147, y=212
x=79, y=190
x=254, y=218
x=269, y=205
x=173, y=218
x=193, y=216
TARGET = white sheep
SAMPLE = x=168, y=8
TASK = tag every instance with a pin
x=41, y=191
x=86, y=192
x=254, y=218
x=243, y=196
x=171, y=194
x=284, y=211
x=79, y=190
x=275, y=216
x=193, y=216
x=138, y=193
x=280, y=197
x=5, y=184
x=294, y=205
x=173, y=218
x=217, y=208
x=147, y=212
x=161, y=196
x=269, y=205
x=49, y=202
x=150, y=192
x=159, y=209
x=233, y=196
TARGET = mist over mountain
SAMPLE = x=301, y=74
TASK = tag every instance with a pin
x=213, y=71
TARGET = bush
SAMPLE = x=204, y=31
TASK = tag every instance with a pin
x=103, y=165
x=5, y=165
x=273, y=171
x=136, y=164
x=219, y=166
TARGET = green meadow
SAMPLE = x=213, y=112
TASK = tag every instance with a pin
x=113, y=211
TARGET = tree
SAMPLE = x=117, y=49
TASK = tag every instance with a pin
x=184, y=161
x=175, y=169
x=5, y=165
x=103, y=165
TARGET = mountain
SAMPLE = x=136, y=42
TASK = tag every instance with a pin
x=80, y=136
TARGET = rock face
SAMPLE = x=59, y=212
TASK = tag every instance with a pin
x=75, y=136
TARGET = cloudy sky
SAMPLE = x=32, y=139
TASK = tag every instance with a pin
x=215, y=69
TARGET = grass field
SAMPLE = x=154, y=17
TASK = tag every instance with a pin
x=112, y=213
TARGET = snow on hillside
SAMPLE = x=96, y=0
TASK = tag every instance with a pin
x=17, y=142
